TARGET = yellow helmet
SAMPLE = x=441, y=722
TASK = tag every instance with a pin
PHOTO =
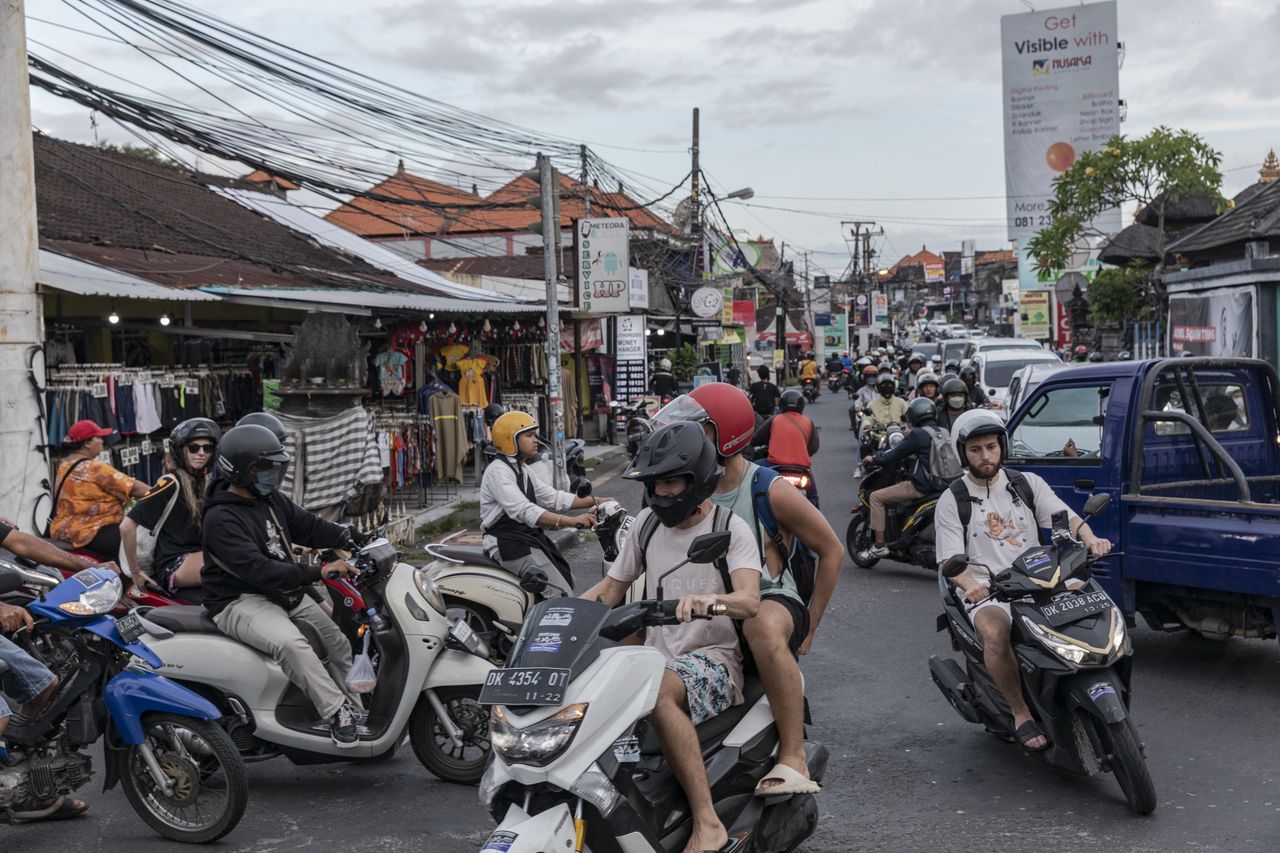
x=507, y=428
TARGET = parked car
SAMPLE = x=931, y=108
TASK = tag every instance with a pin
x=1025, y=381
x=956, y=330
x=996, y=369
x=1186, y=448
x=984, y=344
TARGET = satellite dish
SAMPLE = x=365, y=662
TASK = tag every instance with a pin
x=682, y=219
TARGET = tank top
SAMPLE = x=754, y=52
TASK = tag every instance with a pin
x=789, y=436
x=740, y=503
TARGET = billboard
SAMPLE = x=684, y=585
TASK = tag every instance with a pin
x=631, y=368
x=1215, y=323
x=834, y=336
x=1061, y=98
x=601, y=264
x=638, y=288
x=935, y=271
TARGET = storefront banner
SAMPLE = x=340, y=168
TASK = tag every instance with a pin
x=591, y=334
x=638, y=288
x=1061, y=98
x=726, y=306
x=1063, y=322
x=744, y=312
x=602, y=253
x=1213, y=323
x=834, y=336
x=935, y=271
x=1035, y=313
x=860, y=316
x=880, y=308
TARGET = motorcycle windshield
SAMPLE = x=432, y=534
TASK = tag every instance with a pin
x=561, y=633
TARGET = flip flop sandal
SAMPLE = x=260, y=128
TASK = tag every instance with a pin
x=791, y=782
x=1029, y=730
x=64, y=808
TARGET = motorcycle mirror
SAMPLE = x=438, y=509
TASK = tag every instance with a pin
x=1096, y=504
x=582, y=487
x=954, y=565
x=709, y=547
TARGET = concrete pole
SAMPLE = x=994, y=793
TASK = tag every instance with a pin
x=555, y=394
x=23, y=473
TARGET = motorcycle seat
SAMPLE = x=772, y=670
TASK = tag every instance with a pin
x=714, y=730
x=469, y=554
x=184, y=619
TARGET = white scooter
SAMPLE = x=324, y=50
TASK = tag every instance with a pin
x=576, y=766
x=491, y=600
x=428, y=678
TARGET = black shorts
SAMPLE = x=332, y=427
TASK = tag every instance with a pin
x=799, y=619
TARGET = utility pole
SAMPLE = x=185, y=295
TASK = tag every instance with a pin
x=23, y=470
x=808, y=307
x=555, y=394
x=581, y=386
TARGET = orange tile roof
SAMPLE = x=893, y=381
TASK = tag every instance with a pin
x=376, y=218
x=260, y=177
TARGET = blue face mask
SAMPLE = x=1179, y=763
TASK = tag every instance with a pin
x=267, y=481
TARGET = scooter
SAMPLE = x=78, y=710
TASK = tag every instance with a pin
x=810, y=389
x=491, y=600
x=429, y=674
x=1074, y=658
x=636, y=416
x=577, y=766
x=908, y=533
x=162, y=743
x=835, y=381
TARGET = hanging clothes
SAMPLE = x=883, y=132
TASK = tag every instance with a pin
x=471, y=386
x=569, y=391
x=451, y=436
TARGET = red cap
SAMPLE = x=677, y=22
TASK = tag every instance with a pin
x=85, y=430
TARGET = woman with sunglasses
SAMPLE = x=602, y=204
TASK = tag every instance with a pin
x=178, y=555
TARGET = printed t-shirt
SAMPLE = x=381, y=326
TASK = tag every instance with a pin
x=92, y=498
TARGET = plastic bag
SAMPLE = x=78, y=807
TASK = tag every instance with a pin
x=361, y=678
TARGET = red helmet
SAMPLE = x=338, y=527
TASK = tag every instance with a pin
x=1081, y=349
x=725, y=407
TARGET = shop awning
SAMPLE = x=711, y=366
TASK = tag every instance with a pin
x=364, y=301
x=71, y=275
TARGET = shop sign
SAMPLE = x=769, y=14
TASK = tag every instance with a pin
x=835, y=335
x=880, y=308
x=707, y=302
x=591, y=333
x=631, y=378
x=1064, y=323
x=861, y=315
x=726, y=306
x=1034, y=311
x=602, y=253
x=638, y=288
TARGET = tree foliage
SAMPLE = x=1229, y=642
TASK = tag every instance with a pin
x=684, y=362
x=1117, y=296
x=142, y=152
x=1155, y=171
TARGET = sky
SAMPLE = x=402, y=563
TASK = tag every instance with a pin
x=884, y=110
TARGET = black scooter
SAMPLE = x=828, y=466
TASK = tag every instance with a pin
x=1073, y=654
x=809, y=387
x=908, y=527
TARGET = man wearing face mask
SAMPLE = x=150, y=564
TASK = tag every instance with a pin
x=253, y=588
x=955, y=402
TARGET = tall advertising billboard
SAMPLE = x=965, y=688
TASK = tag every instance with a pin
x=1061, y=98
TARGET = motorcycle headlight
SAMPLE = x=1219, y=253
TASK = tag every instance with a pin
x=98, y=599
x=596, y=788
x=538, y=743
x=428, y=589
x=1067, y=651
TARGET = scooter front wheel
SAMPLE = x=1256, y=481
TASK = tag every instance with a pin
x=453, y=762
x=1129, y=766
x=857, y=538
x=207, y=789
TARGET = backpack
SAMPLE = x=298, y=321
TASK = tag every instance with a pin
x=800, y=561
x=1018, y=484
x=944, y=463
x=146, y=539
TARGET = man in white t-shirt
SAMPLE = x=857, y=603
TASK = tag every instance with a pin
x=679, y=469
x=1005, y=520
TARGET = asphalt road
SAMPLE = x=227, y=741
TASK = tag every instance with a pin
x=906, y=773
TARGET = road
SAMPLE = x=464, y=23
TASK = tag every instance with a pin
x=906, y=773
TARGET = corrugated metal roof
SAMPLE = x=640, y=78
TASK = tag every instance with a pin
x=299, y=219
x=71, y=275
x=387, y=301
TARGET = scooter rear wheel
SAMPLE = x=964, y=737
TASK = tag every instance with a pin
x=437, y=751
x=856, y=539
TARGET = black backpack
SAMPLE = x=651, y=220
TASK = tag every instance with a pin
x=1018, y=485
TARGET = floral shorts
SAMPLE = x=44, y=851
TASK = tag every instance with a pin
x=707, y=686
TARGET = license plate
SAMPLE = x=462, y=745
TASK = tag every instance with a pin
x=462, y=632
x=524, y=686
x=1076, y=607
x=130, y=627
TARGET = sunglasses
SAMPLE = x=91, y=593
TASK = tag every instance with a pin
x=201, y=448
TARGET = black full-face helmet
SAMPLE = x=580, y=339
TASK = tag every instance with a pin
x=677, y=450
x=251, y=457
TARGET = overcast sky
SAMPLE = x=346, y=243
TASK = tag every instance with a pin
x=871, y=109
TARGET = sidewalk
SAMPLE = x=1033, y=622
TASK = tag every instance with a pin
x=601, y=453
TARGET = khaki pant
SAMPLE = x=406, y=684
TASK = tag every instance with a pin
x=900, y=493
x=259, y=622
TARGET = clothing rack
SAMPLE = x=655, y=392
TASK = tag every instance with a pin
x=406, y=442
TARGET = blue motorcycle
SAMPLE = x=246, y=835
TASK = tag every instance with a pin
x=162, y=743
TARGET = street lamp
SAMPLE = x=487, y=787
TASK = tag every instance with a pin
x=743, y=194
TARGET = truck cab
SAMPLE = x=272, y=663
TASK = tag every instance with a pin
x=1189, y=451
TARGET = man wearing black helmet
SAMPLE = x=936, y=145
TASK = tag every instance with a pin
x=1005, y=511
x=886, y=407
x=955, y=401
x=791, y=437
x=678, y=466
x=921, y=415
x=977, y=396
x=252, y=585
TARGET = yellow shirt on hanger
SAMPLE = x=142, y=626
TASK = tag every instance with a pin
x=471, y=387
x=452, y=353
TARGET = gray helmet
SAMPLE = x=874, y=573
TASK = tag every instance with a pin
x=265, y=419
x=921, y=409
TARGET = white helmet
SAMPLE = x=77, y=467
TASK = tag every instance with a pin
x=664, y=364
x=974, y=423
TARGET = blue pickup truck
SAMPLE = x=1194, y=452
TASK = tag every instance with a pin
x=1188, y=449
